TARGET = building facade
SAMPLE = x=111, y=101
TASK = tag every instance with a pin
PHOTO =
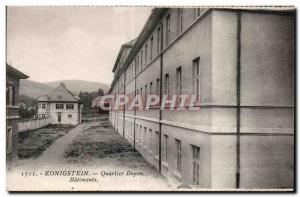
x=61, y=105
x=240, y=66
x=13, y=77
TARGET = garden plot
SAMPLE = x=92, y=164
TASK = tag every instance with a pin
x=32, y=144
x=98, y=141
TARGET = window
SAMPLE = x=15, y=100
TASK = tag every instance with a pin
x=141, y=131
x=145, y=137
x=196, y=79
x=158, y=40
x=69, y=115
x=145, y=93
x=165, y=148
x=7, y=95
x=178, y=153
x=196, y=164
x=146, y=54
x=150, y=136
x=194, y=13
x=157, y=86
x=198, y=12
x=178, y=80
x=43, y=115
x=136, y=133
x=150, y=89
x=70, y=106
x=167, y=84
x=133, y=69
x=10, y=95
x=168, y=29
x=137, y=63
x=9, y=140
x=128, y=72
x=151, y=48
x=179, y=21
x=59, y=106
x=142, y=59
x=43, y=106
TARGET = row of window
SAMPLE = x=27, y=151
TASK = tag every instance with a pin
x=144, y=139
x=61, y=106
x=57, y=106
x=44, y=115
x=146, y=54
x=41, y=115
x=144, y=91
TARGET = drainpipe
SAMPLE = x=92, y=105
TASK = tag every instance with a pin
x=117, y=110
x=124, y=80
x=160, y=93
x=6, y=35
x=238, y=100
x=134, y=118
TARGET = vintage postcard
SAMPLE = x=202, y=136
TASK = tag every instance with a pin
x=150, y=98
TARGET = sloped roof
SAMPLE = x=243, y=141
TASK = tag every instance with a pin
x=44, y=98
x=130, y=43
x=125, y=45
x=13, y=71
x=62, y=94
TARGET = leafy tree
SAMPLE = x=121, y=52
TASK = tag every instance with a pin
x=28, y=107
x=88, y=97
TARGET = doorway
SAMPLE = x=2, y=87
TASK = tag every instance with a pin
x=59, y=118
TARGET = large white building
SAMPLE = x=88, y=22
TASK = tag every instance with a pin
x=61, y=105
x=240, y=65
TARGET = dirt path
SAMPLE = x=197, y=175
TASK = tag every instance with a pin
x=54, y=154
x=93, y=147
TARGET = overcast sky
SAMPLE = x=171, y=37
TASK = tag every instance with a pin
x=59, y=43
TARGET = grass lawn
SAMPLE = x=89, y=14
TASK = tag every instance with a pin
x=32, y=144
x=97, y=142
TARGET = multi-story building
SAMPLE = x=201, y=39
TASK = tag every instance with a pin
x=240, y=65
x=13, y=77
x=61, y=105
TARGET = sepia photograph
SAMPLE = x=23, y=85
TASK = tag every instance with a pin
x=150, y=98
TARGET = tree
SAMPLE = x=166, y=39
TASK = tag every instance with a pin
x=27, y=107
x=88, y=97
x=100, y=92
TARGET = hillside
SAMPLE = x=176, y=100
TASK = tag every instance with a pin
x=34, y=89
x=75, y=86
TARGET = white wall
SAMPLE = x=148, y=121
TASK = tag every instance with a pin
x=32, y=124
x=64, y=114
